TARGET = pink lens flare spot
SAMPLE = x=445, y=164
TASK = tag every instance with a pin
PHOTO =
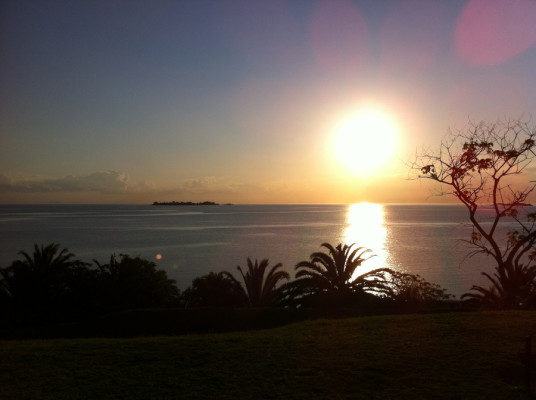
x=492, y=31
x=158, y=256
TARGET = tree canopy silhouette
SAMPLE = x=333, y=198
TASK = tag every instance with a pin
x=485, y=168
x=214, y=290
x=52, y=284
x=134, y=282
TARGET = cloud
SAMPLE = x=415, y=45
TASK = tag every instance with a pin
x=105, y=182
x=212, y=186
x=114, y=187
x=105, y=186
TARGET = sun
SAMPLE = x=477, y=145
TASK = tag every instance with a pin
x=365, y=141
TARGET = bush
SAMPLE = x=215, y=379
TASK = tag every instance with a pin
x=214, y=290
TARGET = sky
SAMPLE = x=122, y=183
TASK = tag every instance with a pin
x=243, y=101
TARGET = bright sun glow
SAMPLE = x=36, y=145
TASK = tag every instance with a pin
x=365, y=141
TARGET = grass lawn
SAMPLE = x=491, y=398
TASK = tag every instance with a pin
x=422, y=356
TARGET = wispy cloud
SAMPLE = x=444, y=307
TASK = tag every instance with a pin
x=115, y=183
x=105, y=182
x=118, y=187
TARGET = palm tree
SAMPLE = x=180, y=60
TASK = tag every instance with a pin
x=48, y=260
x=43, y=278
x=334, y=272
x=513, y=287
x=261, y=290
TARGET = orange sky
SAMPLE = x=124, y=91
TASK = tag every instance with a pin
x=240, y=101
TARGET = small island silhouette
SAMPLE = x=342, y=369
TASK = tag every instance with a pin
x=184, y=203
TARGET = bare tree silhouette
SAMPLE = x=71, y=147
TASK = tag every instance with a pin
x=485, y=168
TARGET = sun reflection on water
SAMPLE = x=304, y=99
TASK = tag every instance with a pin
x=366, y=228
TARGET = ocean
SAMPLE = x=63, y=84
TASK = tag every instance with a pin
x=190, y=241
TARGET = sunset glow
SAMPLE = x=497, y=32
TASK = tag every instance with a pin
x=250, y=102
x=365, y=141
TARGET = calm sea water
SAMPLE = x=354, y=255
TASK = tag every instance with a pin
x=190, y=241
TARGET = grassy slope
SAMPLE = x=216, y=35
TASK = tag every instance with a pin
x=450, y=356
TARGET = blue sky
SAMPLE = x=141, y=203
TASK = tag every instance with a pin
x=236, y=101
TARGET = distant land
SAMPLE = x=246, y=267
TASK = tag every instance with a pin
x=184, y=203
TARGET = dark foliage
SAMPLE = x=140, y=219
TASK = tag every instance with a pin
x=512, y=287
x=133, y=282
x=411, y=288
x=330, y=278
x=261, y=289
x=52, y=285
x=214, y=290
x=44, y=283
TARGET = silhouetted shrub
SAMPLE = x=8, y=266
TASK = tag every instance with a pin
x=214, y=290
x=127, y=282
x=411, y=288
